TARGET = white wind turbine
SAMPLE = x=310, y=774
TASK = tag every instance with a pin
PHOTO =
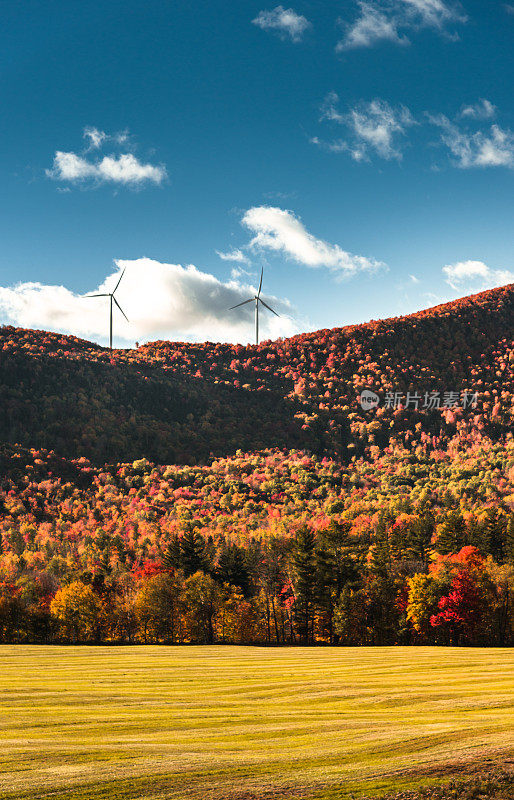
x=256, y=299
x=112, y=299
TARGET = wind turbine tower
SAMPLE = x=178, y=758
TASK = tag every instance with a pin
x=112, y=300
x=256, y=299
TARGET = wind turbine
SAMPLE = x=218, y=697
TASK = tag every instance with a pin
x=256, y=299
x=112, y=299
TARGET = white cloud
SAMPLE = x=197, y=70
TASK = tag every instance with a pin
x=393, y=20
x=330, y=111
x=281, y=231
x=372, y=127
x=234, y=255
x=161, y=301
x=372, y=25
x=471, y=275
x=484, y=109
x=432, y=13
x=479, y=149
x=122, y=168
x=283, y=20
x=96, y=137
x=125, y=169
x=238, y=272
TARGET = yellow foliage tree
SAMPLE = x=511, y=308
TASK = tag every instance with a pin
x=79, y=612
x=157, y=608
x=202, y=602
x=422, y=602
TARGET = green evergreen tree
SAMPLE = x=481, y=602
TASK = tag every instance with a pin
x=232, y=567
x=509, y=540
x=420, y=536
x=380, y=587
x=495, y=529
x=452, y=534
x=304, y=569
x=192, y=552
x=337, y=559
x=171, y=559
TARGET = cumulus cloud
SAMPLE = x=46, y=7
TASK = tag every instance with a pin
x=284, y=21
x=471, y=275
x=234, y=255
x=161, y=300
x=123, y=168
x=494, y=148
x=394, y=20
x=374, y=127
x=484, y=109
x=280, y=231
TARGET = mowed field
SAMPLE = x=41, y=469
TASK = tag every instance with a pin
x=247, y=722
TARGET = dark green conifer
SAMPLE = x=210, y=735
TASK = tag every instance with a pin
x=304, y=568
x=192, y=552
x=452, y=534
x=232, y=567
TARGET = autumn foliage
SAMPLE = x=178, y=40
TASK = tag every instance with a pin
x=204, y=492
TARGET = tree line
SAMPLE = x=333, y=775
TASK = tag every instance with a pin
x=318, y=587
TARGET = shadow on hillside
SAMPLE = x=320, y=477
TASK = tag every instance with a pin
x=111, y=413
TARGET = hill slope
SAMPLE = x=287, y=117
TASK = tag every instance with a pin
x=397, y=527
x=178, y=402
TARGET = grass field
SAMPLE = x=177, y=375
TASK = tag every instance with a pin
x=247, y=722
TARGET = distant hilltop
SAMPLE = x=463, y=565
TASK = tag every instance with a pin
x=426, y=375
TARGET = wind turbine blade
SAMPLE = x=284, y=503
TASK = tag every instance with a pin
x=120, y=308
x=251, y=300
x=95, y=295
x=260, y=284
x=268, y=307
x=121, y=276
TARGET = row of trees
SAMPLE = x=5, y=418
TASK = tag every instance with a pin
x=316, y=587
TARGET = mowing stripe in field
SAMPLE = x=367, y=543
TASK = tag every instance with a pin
x=245, y=722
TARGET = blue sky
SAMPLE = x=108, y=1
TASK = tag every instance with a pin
x=362, y=152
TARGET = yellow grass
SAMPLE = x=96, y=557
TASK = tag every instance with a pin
x=246, y=722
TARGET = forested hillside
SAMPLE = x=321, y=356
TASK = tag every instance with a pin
x=212, y=492
x=173, y=402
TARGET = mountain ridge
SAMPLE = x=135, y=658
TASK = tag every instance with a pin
x=188, y=402
x=479, y=298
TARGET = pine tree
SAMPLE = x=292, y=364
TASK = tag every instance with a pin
x=380, y=561
x=509, y=540
x=304, y=568
x=495, y=534
x=232, y=567
x=421, y=536
x=452, y=534
x=380, y=586
x=192, y=552
x=336, y=564
x=171, y=559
